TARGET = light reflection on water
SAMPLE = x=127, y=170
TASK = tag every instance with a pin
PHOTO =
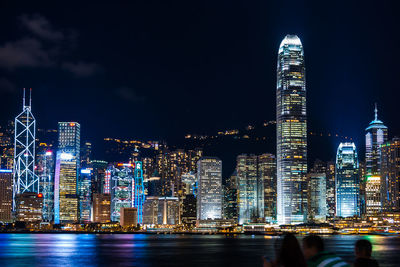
x=165, y=250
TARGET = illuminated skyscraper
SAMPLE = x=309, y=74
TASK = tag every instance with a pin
x=250, y=189
x=390, y=173
x=25, y=179
x=230, y=207
x=45, y=171
x=69, y=138
x=209, y=192
x=291, y=122
x=347, y=181
x=376, y=135
x=328, y=169
x=267, y=172
x=65, y=188
x=6, y=177
x=85, y=194
x=121, y=185
x=317, y=196
x=138, y=190
x=66, y=200
x=101, y=208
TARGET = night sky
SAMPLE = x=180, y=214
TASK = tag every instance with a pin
x=151, y=70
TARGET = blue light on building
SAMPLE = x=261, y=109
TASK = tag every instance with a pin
x=138, y=190
x=347, y=181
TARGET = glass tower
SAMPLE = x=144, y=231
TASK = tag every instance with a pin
x=138, y=190
x=317, y=206
x=67, y=172
x=376, y=135
x=291, y=121
x=85, y=194
x=390, y=170
x=209, y=194
x=347, y=181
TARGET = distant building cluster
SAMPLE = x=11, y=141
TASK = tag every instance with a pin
x=49, y=178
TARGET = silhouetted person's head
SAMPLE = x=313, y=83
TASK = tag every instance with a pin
x=290, y=252
x=312, y=245
x=363, y=249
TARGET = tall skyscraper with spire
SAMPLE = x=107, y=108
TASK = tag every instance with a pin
x=376, y=135
x=25, y=179
x=291, y=122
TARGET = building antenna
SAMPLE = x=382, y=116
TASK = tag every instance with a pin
x=376, y=112
x=30, y=97
x=23, y=99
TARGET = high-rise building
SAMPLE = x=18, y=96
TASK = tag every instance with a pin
x=390, y=174
x=138, y=191
x=66, y=200
x=317, y=196
x=45, y=171
x=122, y=188
x=65, y=188
x=129, y=217
x=189, y=210
x=7, y=146
x=29, y=207
x=230, y=206
x=376, y=135
x=161, y=210
x=330, y=189
x=168, y=210
x=99, y=180
x=209, y=192
x=267, y=172
x=85, y=194
x=347, y=181
x=291, y=122
x=25, y=179
x=327, y=168
x=69, y=138
x=171, y=165
x=250, y=189
x=86, y=154
x=6, y=177
x=256, y=188
x=101, y=208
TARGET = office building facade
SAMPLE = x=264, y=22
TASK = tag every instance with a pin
x=347, y=181
x=376, y=135
x=317, y=207
x=209, y=192
x=390, y=175
x=291, y=122
x=6, y=177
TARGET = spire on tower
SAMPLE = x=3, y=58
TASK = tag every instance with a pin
x=23, y=100
x=376, y=112
x=30, y=97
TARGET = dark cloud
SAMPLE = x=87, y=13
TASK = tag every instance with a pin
x=27, y=52
x=41, y=27
x=130, y=95
x=41, y=48
x=81, y=69
x=6, y=85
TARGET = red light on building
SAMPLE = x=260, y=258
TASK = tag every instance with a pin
x=72, y=124
x=40, y=195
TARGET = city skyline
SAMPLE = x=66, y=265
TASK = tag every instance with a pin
x=183, y=133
